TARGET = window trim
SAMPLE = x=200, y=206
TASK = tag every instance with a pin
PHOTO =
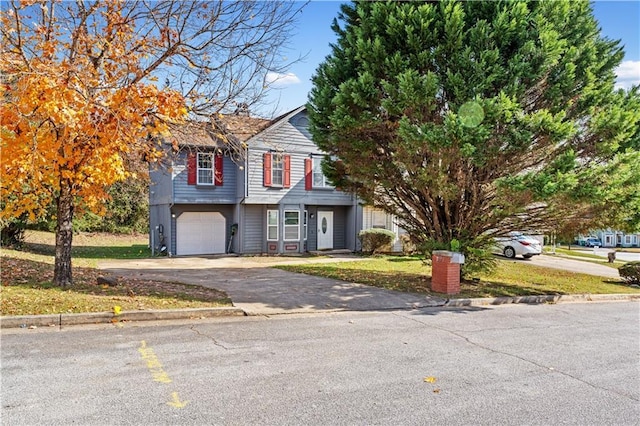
x=306, y=224
x=325, y=181
x=277, y=157
x=285, y=226
x=276, y=224
x=212, y=157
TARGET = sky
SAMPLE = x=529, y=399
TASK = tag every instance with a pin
x=619, y=20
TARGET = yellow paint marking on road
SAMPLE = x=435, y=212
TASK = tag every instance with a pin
x=153, y=364
x=158, y=373
x=175, y=401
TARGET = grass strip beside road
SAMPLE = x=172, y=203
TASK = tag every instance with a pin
x=411, y=274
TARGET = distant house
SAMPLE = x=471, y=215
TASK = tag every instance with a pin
x=249, y=186
x=611, y=238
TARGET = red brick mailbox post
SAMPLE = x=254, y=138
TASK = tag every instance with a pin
x=445, y=273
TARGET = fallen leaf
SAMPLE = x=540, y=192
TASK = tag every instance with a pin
x=430, y=379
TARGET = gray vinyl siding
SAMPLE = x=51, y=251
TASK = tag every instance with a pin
x=312, y=228
x=199, y=194
x=160, y=189
x=160, y=199
x=288, y=139
x=159, y=214
x=339, y=228
x=253, y=238
x=243, y=198
x=343, y=229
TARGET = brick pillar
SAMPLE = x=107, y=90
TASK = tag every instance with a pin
x=445, y=275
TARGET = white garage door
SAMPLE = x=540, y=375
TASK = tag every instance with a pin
x=200, y=233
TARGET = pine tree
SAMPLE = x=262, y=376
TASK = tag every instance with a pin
x=471, y=119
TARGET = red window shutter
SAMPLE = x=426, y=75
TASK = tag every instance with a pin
x=308, y=174
x=192, y=168
x=266, y=165
x=218, y=170
x=287, y=171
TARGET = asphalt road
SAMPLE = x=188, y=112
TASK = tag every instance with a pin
x=511, y=364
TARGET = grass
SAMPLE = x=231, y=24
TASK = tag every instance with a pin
x=578, y=253
x=27, y=289
x=88, y=248
x=26, y=276
x=411, y=274
x=582, y=253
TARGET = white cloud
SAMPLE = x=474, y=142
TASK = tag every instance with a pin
x=628, y=73
x=278, y=80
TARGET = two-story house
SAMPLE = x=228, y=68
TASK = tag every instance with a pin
x=266, y=195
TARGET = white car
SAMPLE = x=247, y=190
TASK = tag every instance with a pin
x=517, y=244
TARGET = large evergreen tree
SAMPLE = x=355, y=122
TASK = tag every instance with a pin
x=471, y=119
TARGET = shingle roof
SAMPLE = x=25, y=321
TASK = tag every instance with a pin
x=244, y=127
x=224, y=128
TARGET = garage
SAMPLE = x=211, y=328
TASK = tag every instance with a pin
x=200, y=233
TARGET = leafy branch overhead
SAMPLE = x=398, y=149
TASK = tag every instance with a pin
x=90, y=87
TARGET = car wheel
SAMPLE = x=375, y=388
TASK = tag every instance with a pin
x=527, y=256
x=509, y=252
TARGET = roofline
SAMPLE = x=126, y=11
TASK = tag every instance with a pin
x=278, y=121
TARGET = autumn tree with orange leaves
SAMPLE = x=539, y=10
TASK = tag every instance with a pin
x=87, y=86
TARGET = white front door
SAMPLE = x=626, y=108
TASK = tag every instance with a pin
x=325, y=230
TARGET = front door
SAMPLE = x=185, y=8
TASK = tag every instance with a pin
x=325, y=230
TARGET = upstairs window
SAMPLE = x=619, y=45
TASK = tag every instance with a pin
x=204, y=168
x=314, y=177
x=319, y=179
x=277, y=170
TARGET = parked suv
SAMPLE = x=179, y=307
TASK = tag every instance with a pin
x=518, y=244
x=592, y=242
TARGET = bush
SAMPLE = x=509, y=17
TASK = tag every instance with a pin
x=12, y=233
x=375, y=240
x=408, y=246
x=630, y=272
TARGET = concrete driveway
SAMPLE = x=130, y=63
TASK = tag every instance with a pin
x=260, y=290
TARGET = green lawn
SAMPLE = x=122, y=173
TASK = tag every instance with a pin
x=27, y=289
x=411, y=274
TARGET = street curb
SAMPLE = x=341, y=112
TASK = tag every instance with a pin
x=59, y=320
x=566, y=298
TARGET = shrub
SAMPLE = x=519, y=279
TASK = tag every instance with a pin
x=630, y=272
x=12, y=232
x=375, y=240
x=408, y=246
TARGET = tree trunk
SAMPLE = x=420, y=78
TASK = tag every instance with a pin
x=64, y=235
